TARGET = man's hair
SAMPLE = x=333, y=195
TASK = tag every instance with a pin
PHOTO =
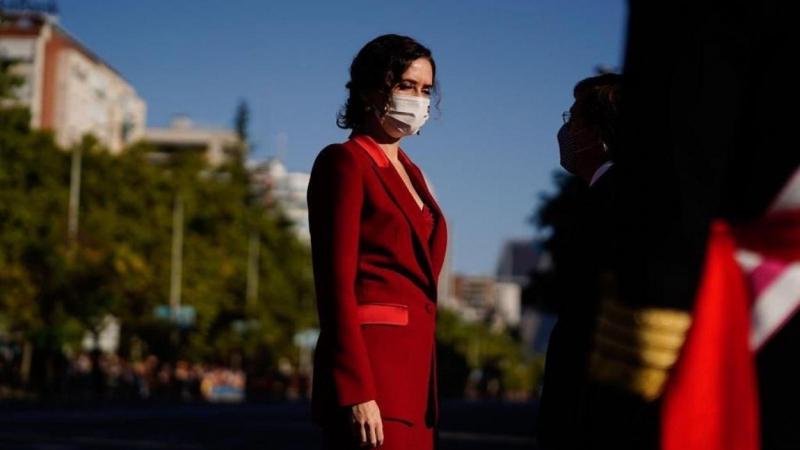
x=600, y=103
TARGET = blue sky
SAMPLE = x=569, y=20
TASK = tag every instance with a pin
x=506, y=69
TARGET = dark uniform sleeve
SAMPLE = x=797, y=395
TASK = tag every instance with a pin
x=702, y=138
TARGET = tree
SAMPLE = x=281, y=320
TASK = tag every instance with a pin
x=464, y=346
x=241, y=121
x=8, y=81
x=557, y=218
x=50, y=296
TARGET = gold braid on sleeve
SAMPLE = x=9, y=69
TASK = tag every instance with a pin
x=635, y=348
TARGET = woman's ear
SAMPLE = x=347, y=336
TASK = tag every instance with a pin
x=374, y=102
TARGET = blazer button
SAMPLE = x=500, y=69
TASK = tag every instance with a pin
x=429, y=308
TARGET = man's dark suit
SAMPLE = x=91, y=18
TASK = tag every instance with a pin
x=581, y=248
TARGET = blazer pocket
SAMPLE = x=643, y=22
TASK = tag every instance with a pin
x=383, y=314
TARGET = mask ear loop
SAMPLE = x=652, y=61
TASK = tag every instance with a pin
x=376, y=111
x=371, y=107
x=419, y=131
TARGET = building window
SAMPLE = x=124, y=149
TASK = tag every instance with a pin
x=79, y=74
x=126, y=128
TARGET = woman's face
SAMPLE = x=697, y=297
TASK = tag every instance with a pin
x=417, y=80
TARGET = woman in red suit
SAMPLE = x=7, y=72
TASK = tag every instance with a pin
x=378, y=241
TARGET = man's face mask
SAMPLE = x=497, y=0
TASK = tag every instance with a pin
x=578, y=147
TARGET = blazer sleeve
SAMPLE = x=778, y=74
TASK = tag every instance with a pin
x=335, y=198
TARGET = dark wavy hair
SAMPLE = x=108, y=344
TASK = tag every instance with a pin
x=600, y=97
x=376, y=70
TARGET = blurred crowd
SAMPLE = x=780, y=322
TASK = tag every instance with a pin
x=110, y=377
x=91, y=376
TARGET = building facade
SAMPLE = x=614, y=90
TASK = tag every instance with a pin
x=275, y=185
x=68, y=88
x=517, y=259
x=216, y=145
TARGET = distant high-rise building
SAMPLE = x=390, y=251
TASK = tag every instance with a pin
x=487, y=299
x=444, y=290
x=475, y=291
x=508, y=302
x=277, y=186
x=68, y=88
x=516, y=261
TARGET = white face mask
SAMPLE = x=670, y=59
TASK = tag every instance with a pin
x=406, y=115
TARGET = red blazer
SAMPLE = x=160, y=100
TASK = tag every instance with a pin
x=376, y=284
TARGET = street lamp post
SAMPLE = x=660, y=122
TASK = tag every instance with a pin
x=176, y=266
x=252, y=270
x=74, y=197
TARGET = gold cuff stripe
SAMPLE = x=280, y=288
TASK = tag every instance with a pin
x=668, y=320
x=634, y=348
x=647, y=337
x=636, y=354
x=644, y=381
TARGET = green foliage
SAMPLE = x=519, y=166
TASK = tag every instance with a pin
x=8, y=81
x=51, y=292
x=478, y=347
x=556, y=218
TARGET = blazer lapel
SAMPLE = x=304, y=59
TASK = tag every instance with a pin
x=438, y=244
x=398, y=191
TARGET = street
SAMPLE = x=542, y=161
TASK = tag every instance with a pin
x=279, y=426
